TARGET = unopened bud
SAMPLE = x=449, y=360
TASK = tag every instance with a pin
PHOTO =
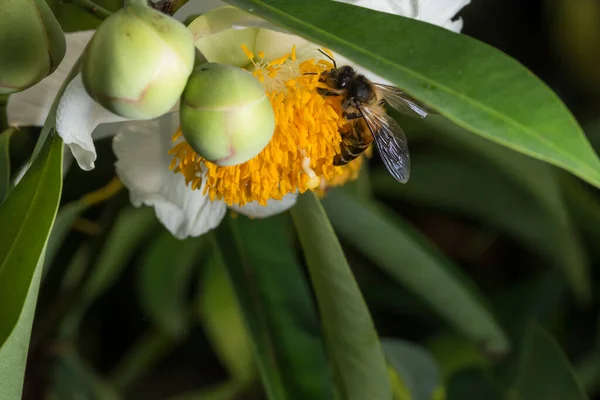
x=138, y=62
x=226, y=116
x=32, y=44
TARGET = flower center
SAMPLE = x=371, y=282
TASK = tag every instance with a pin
x=300, y=155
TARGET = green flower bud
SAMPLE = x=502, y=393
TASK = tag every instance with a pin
x=138, y=62
x=32, y=44
x=226, y=116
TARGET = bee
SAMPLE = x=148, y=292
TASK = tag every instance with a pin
x=363, y=107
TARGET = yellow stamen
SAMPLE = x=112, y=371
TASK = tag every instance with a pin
x=247, y=52
x=300, y=155
x=329, y=53
x=280, y=60
x=261, y=54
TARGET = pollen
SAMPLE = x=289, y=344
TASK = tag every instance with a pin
x=300, y=155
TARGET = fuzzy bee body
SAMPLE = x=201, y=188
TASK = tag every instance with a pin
x=363, y=107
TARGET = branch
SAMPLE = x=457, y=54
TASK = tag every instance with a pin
x=92, y=8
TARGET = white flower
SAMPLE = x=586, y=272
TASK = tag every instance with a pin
x=142, y=147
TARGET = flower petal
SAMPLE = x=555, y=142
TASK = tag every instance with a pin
x=437, y=12
x=273, y=207
x=31, y=106
x=277, y=44
x=76, y=118
x=406, y=8
x=216, y=39
x=442, y=13
x=143, y=166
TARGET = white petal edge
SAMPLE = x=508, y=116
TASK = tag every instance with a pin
x=31, y=106
x=442, y=13
x=141, y=149
x=406, y=8
x=76, y=118
x=273, y=207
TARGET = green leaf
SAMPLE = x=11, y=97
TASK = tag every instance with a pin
x=27, y=216
x=128, y=231
x=454, y=353
x=479, y=191
x=352, y=341
x=5, y=163
x=224, y=322
x=415, y=366
x=13, y=353
x=142, y=357
x=544, y=371
x=585, y=208
x=229, y=390
x=475, y=384
x=474, y=85
x=278, y=309
x=164, y=280
x=132, y=225
x=65, y=218
x=73, y=378
x=406, y=257
x=399, y=389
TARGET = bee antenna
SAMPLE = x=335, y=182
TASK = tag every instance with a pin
x=328, y=56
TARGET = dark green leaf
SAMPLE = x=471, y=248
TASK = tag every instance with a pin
x=475, y=384
x=277, y=306
x=5, y=163
x=226, y=391
x=224, y=322
x=73, y=378
x=585, y=208
x=405, y=256
x=130, y=228
x=469, y=82
x=455, y=353
x=415, y=366
x=544, y=371
x=164, y=281
x=352, y=341
x=141, y=357
x=27, y=216
x=13, y=354
x=65, y=218
x=464, y=186
x=132, y=225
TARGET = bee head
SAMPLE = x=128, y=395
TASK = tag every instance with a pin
x=338, y=78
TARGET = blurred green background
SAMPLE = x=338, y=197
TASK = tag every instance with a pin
x=127, y=311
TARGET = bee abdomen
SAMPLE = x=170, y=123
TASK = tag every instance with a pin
x=349, y=153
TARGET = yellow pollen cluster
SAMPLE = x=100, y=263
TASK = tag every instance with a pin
x=300, y=155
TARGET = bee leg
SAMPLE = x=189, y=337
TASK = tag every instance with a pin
x=326, y=92
x=349, y=116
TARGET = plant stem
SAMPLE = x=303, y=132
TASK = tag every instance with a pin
x=91, y=7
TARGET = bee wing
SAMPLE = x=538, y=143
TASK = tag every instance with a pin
x=402, y=102
x=391, y=142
